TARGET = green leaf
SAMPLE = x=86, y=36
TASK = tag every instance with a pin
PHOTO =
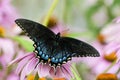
x=116, y=2
x=86, y=34
x=26, y=44
x=90, y=12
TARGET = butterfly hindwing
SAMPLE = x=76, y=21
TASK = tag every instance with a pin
x=79, y=48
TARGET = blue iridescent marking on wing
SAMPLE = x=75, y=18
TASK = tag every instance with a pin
x=46, y=57
x=40, y=53
x=60, y=60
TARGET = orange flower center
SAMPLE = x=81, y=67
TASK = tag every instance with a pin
x=59, y=79
x=101, y=38
x=107, y=76
x=31, y=77
x=52, y=22
x=111, y=57
x=2, y=32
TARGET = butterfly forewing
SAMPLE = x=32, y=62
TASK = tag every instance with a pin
x=34, y=30
x=79, y=48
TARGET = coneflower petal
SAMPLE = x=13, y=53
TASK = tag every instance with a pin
x=23, y=62
x=43, y=70
x=31, y=65
x=21, y=58
x=67, y=72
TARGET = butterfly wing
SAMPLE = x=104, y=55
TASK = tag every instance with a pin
x=45, y=40
x=34, y=30
x=79, y=48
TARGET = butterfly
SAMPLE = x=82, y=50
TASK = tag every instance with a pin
x=52, y=48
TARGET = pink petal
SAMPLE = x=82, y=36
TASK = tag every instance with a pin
x=111, y=47
x=28, y=55
x=66, y=70
x=32, y=65
x=114, y=69
x=23, y=74
x=26, y=70
x=7, y=47
x=117, y=20
x=13, y=76
x=43, y=70
x=22, y=63
x=56, y=73
x=101, y=67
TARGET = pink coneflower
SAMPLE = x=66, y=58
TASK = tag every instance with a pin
x=7, y=54
x=30, y=63
x=56, y=26
x=7, y=50
x=110, y=32
x=109, y=54
x=7, y=13
x=12, y=76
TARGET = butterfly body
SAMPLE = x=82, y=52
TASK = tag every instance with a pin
x=52, y=48
x=52, y=51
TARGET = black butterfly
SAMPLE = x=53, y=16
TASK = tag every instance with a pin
x=53, y=49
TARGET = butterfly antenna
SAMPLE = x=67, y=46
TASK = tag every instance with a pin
x=65, y=30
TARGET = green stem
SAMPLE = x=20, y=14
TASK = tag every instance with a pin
x=118, y=71
x=77, y=76
x=50, y=12
x=109, y=67
x=36, y=77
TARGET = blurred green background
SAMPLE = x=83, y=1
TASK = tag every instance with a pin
x=87, y=16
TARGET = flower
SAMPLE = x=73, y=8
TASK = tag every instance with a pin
x=12, y=76
x=7, y=13
x=2, y=32
x=109, y=54
x=7, y=54
x=108, y=45
x=117, y=20
x=30, y=62
x=110, y=32
x=108, y=60
x=31, y=77
x=7, y=50
x=56, y=26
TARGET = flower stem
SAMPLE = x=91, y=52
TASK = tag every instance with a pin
x=50, y=12
x=109, y=67
x=77, y=76
x=36, y=77
x=118, y=71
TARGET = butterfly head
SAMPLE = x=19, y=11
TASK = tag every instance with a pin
x=58, y=35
